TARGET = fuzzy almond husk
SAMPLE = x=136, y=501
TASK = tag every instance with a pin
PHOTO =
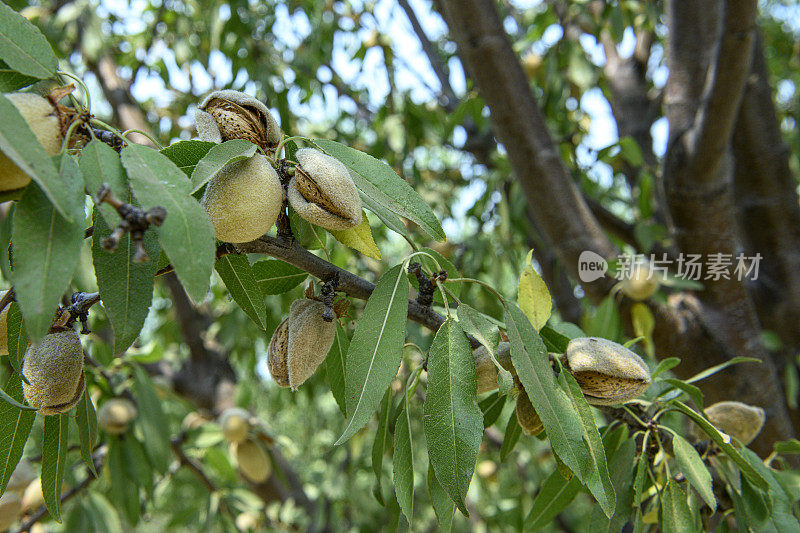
x=310, y=340
x=277, y=354
x=484, y=366
x=235, y=424
x=607, y=372
x=4, y=327
x=115, y=415
x=243, y=200
x=54, y=370
x=528, y=420
x=641, y=284
x=737, y=419
x=226, y=115
x=252, y=459
x=322, y=191
x=42, y=118
x=10, y=509
x=21, y=477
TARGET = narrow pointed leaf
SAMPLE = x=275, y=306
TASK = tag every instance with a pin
x=23, y=47
x=126, y=288
x=533, y=297
x=46, y=252
x=722, y=366
x=403, y=464
x=694, y=469
x=186, y=154
x=54, y=461
x=17, y=337
x=86, y=420
x=100, y=164
x=335, y=367
x=554, y=405
x=186, y=236
x=382, y=442
x=235, y=271
x=375, y=349
x=392, y=191
x=277, y=277
x=453, y=422
x=443, y=506
x=218, y=157
x=555, y=494
x=15, y=426
x=510, y=437
x=676, y=515
x=492, y=407
x=11, y=80
x=665, y=364
x=152, y=421
x=694, y=393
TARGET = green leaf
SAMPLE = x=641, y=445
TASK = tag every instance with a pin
x=511, y=437
x=23, y=47
x=597, y=477
x=186, y=236
x=789, y=447
x=15, y=426
x=554, y=406
x=126, y=288
x=6, y=227
x=722, y=366
x=11, y=80
x=667, y=364
x=376, y=349
x=453, y=422
x=186, y=154
x=86, y=420
x=554, y=496
x=694, y=393
x=385, y=187
x=630, y=151
x=152, y=421
x=54, y=459
x=392, y=221
x=218, y=157
x=621, y=467
x=639, y=479
x=46, y=251
x=336, y=365
x=554, y=340
x=19, y=143
x=533, y=297
x=443, y=506
x=124, y=491
x=724, y=442
x=644, y=323
x=475, y=323
x=235, y=271
x=17, y=338
x=676, y=515
x=359, y=238
x=382, y=442
x=694, y=469
x=277, y=277
x=605, y=321
x=137, y=465
x=492, y=407
x=100, y=164
x=781, y=516
x=403, y=463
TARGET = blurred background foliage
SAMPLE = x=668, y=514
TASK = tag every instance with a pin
x=355, y=72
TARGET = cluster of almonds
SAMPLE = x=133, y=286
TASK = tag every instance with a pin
x=300, y=343
x=250, y=454
x=246, y=198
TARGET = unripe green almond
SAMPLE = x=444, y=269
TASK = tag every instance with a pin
x=607, y=372
x=252, y=459
x=641, y=284
x=226, y=115
x=310, y=339
x=322, y=191
x=115, y=415
x=278, y=353
x=4, y=327
x=737, y=419
x=528, y=420
x=244, y=200
x=43, y=121
x=10, y=509
x=485, y=369
x=235, y=424
x=21, y=477
x=54, y=370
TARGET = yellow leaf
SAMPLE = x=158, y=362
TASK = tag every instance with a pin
x=359, y=238
x=643, y=325
x=532, y=295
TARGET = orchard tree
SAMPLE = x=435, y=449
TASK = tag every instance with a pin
x=398, y=283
